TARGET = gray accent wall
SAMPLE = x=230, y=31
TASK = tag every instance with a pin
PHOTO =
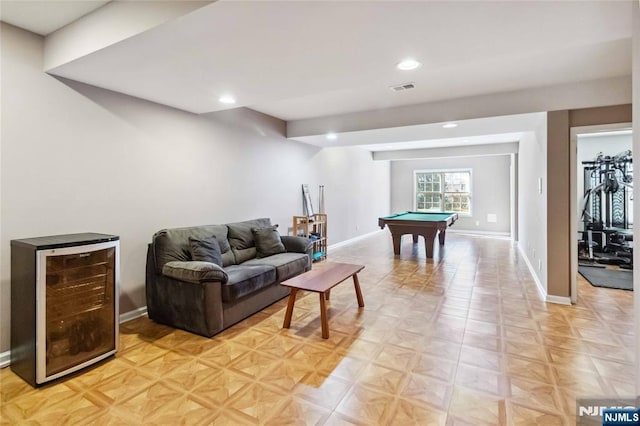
x=490, y=188
x=75, y=158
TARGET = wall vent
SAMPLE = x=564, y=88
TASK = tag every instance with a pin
x=403, y=86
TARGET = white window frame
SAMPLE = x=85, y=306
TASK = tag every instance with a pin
x=415, y=187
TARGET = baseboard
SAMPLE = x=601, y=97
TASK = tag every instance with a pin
x=131, y=315
x=561, y=300
x=353, y=240
x=5, y=359
x=541, y=289
x=483, y=233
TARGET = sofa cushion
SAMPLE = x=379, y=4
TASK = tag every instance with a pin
x=205, y=250
x=173, y=244
x=241, y=238
x=194, y=272
x=287, y=264
x=245, y=279
x=268, y=241
x=297, y=244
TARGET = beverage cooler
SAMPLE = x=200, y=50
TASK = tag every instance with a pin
x=64, y=304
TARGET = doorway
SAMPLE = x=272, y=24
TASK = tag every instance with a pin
x=601, y=205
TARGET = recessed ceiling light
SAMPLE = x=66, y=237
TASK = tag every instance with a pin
x=227, y=99
x=449, y=125
x=408, y=64
x=332, y=136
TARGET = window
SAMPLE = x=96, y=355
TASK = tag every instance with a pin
x=448, y=191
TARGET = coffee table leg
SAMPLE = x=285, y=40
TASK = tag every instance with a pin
x=356, y=284
x=323, y=317
x=327, y=294
x=292, y=301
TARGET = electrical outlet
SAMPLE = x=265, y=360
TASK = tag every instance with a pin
x=477, y=223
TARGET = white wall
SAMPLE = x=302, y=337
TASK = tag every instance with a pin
x=356, y=190
x=490, y=188
x=532, y=206
x=588, y=148
x=75, y=158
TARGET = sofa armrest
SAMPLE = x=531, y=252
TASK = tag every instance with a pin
x=195, y=272
x=296, y=244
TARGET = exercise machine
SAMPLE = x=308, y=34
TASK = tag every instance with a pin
x=607, y=215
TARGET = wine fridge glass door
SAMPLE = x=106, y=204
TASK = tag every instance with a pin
x=77, y=308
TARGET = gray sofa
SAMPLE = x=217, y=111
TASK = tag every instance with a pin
x=205, y=298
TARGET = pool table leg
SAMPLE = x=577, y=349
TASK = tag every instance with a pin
x=428, y=247
x=429, y=240
x=396, y=243
x=441, y=236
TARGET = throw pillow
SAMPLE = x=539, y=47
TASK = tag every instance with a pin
x=205, y=250
x=268, y=241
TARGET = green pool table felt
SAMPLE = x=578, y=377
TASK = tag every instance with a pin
x=417, y=216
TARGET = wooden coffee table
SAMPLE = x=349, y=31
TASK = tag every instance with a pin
x=321, y=280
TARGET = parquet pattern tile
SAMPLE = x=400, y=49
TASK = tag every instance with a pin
x=461, y=339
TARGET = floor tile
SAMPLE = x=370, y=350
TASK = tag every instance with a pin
x=429, y=390
x=382, y=379
x=435, y=367
x=462, y=339
x=259, y=402
x=299, y=412
x=476, y=408
x=221, y=387
x=534, y=394
x=408, y=412
x=367, y=405
x=524, y=416
x=321, y=390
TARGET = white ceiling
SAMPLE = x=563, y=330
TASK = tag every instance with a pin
x=479, y=131
x=44, y=17
x=305, y=59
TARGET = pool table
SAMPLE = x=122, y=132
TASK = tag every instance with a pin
x=418, y=223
